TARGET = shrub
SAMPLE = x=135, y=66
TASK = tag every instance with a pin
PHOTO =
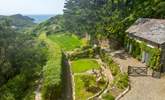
x=108, y=97
x=87, y=80
x=83, y=89
x=14, y=88
x=102, y=81
x=121, y=81
x=114, y=68
x=84, y=53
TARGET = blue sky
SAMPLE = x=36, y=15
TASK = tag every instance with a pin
x=8, y=7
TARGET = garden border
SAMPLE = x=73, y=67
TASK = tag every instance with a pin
x=99, y=93
x=72, y=81
x=69, y=72
x=124, y=92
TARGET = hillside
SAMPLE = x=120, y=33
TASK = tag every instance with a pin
x=52, y=25
x=18, y=21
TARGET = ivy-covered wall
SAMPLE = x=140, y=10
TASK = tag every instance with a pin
x=139, y=47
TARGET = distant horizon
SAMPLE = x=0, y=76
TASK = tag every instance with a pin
x=28, y=14
x=40, y=18
x=31, y=7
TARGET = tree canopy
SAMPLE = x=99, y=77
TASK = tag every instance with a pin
x=20, y=56
x=109, y=18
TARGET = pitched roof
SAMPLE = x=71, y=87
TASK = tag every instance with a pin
x=149, y=29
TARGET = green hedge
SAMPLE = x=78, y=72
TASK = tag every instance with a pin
x=84, y=53
x=121, y=80
x=138, y=48
x=52, y=72
x=108, y=97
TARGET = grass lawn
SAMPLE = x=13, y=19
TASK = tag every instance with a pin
x=83, y=65
x=66, y=42
x=85, y=86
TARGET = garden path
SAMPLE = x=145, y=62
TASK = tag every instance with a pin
x=142, y=88
x=124, y=60
x=106, y=70
x=38, y=90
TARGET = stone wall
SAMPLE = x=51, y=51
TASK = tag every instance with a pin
x=163, y=57
x=67, y=79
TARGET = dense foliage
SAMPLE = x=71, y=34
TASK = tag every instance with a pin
x=22, y=56
x=120, y=79
x=18, y=21
x=109, y=18
x=84, y=52
x=86, y=86
x=21, y=59
x=139, y=48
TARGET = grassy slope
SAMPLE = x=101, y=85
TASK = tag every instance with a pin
x=52, y=70
x=82, y=65
x=66, y=42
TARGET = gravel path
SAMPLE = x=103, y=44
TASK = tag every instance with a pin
x=125, y=60
x=38, y=94
x=146, y=88
x=142, y=88
x=38, y=90
x=106, y=71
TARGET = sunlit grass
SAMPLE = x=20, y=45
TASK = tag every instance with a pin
x=82, y=65
x=65, y=41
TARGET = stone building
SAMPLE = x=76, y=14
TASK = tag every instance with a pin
x=152, y=33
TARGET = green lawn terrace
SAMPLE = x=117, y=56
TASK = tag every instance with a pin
x=67, y=42
x=83, y=65
x=88, y=79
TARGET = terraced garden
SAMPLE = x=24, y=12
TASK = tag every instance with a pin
x=52, y=70
x=83, y=65
x=87, y=83
x=86, y=86
x=90, y=76
x=66, y=41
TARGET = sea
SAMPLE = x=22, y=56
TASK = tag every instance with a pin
x=40, y=18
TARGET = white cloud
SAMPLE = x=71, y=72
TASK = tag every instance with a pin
x=31, y=6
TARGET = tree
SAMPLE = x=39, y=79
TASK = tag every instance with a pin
x=108, y=18
x=20, y=54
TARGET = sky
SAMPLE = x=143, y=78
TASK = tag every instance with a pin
x=28, y=7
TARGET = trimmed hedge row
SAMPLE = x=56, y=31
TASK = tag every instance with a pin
x=84, y=53
x=52, y=87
